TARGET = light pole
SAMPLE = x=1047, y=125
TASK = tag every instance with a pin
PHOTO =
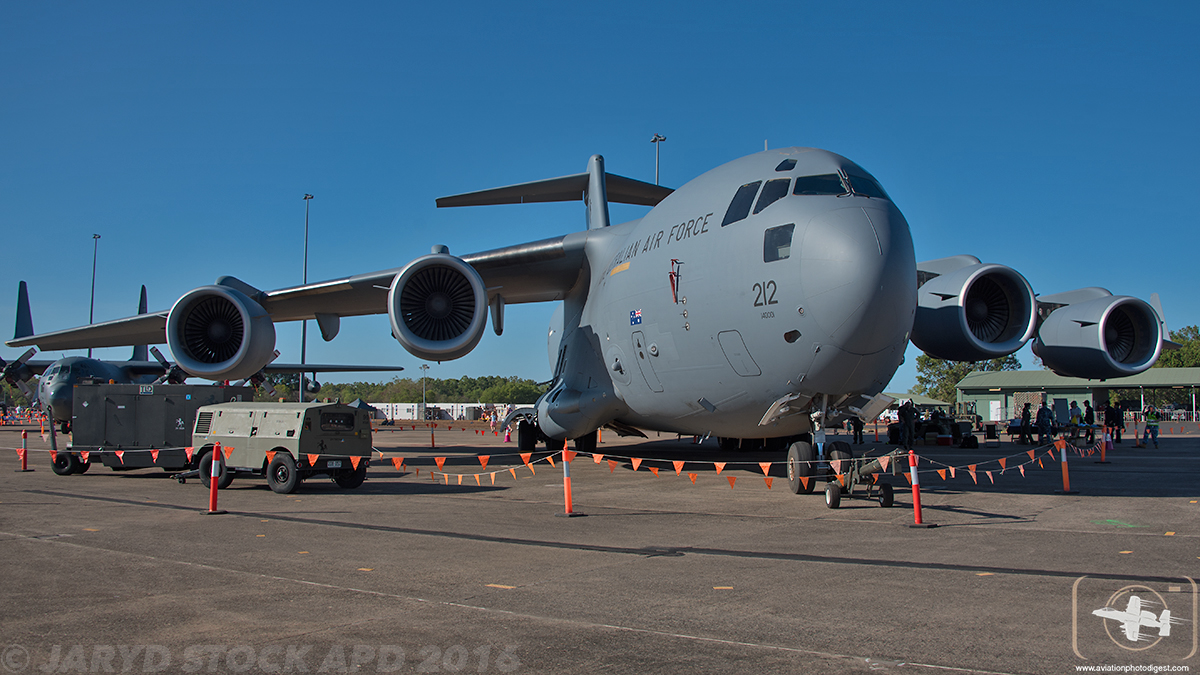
x=304, y=280
x=658, y=138
x=424, y=367
x=92, y=307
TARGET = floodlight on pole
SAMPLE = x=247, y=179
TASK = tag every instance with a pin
x=92, y=306
x=658, y=138
x=304, y=280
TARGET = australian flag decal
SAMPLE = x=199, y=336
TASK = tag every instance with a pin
x=635, y=317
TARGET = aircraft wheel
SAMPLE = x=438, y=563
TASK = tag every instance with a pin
x=282, y=476
x=887, y=496
x=351, y=479
x=223, y=479
x=526, y=436
x=801, y=463
x=586, y=444
x=65, y=464
x=65, y=427
x=833, y=495
x=727, y=444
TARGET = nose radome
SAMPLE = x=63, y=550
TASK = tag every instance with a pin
x=858, y=274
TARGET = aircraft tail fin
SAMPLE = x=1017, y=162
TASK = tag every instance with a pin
x=141, y=352
x=24, y=326
x=1164, y=623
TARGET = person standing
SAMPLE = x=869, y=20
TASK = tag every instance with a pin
x=908, y=424
x=1075, y=416
x=1026, y=426
x=1114, y=418
x=856, y=424
x=1045, y=424
x=1089, y=418
x=1151, y=414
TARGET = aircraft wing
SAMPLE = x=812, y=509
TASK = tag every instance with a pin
x=135, y=330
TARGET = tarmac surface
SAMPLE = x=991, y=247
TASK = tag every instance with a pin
x=120, y=572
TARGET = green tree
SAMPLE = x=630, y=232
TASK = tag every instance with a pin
x=1188, y=355
x=937, y=378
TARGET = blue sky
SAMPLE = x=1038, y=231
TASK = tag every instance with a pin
x=1058, y=138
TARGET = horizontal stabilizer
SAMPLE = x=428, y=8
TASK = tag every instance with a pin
x=564, y=189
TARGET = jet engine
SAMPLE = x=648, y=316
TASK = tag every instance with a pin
x=438, y=307
x=1112, y=336
x=219, y=333
x=973, y=313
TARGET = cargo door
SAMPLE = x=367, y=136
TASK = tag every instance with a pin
x=643, y=358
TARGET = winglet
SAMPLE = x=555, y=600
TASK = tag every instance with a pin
x=24, y=316
x=1167, y=342
x=141, y=352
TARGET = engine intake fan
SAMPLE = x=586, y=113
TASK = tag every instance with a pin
x=1114, y=336
x=974, y=313
x=438, y=307
x=218, y=333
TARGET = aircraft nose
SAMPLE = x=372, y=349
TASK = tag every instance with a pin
x=859, y=276
x=60, y=403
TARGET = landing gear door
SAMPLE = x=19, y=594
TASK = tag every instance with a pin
x=644, y=355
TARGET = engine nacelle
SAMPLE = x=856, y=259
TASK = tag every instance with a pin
x=1114, y=336
x=974, y=313
x=218, y=333
x=438, y=307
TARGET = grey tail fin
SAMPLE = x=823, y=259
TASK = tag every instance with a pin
x=24, y=317
x=141, y=352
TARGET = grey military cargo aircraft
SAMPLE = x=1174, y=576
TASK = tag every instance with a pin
x=761, y=300
x=55, y=391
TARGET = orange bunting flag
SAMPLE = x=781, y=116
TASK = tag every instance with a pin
x=440, y=461
x=951, y=471
x=693, y=477
x=569, y=456
x=460, y=479
x=477, y=480
x=678, y=467
x=842, y=479
x=493, y=475
x=989, y=474
x=636, y=463
x=908, y=478
x=483, y=460
x=1061, y=444
x=884, y=460
x=154, y=456
x=732, y=480
x=720, y=467
x=768, y=480
x=612, y=465
x=446, y=478
x=270, y=455
x=942, y=473
x=1040, y=465
x=354, y=460
x=532, y=471
x=973, y=478
x=312, y=460
x=971, y=468
x=83, y=456
x=766, y=468
x=188, y=451
x=381, y=458
x=228, y=449
x=1022, y=468
x=837, y=466
x=1003, y=464
x=653, y=470
x=551, y=460
x=597, y=458
x=1051, y=453
x=417, y=471
x=121, y=456
x=804, y=481
x=525, y=457
x=53, y=456
x=397, y=462
x=513, y=472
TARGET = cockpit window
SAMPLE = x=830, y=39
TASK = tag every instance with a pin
x=773, y=191
x=739, y=208
x=867, y=186
x=827, y=184
x=51, y=373
x=786, y=165
x=777, y=242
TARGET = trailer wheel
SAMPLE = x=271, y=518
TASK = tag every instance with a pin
x=801, y=463
x=887, y=496
x=223, y=480
x=833, y=495
x=65, y=464
x=351, y=479
x=282, y=476
x=84, y=466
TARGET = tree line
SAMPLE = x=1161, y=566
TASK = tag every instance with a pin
x=486, y=389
